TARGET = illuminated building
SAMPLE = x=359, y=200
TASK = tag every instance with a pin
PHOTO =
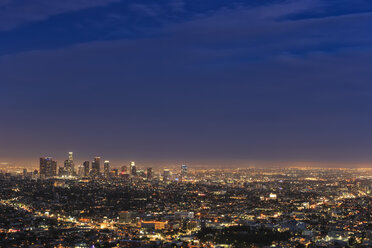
x=149, y=173
x=141, y=173
x=106, y=168
x=156, y=225
x=69, y=165
x=61, y=171
x=133, y=168
x=184, y=170
x=184, y=215
x=96, y=166
x=86, y=168
x=81, y=171
x=48, y=167
x=125, y=217
x=166, y=175
x=273, y=196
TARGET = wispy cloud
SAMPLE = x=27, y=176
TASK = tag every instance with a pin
x=147, y=9
x=263, y=80
x=14, y=13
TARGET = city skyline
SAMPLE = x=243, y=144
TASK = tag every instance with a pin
x=186, y=124
x=169, y=163
x=276, y=82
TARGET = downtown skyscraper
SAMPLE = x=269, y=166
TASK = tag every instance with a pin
x=48, y=167
x=106, y=169
x=69, y=165
x=96, y=167
x=133, y=169
x=86, y=168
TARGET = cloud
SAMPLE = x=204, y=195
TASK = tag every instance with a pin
x=151, y=10
x=267, y=31
x=236, y=82
x=14, y=13
x=147, y=91
x=177, y=5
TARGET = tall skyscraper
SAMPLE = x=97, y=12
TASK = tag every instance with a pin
x=81, y=171
x=149, y=173
x=184, y=170
x=54, y=168
x=69, y=165
x=133, y=169
x=61, y=171
x=166, y=175
x=86, y=168
x=106, y=169
x=48, y=167
x=96, y=166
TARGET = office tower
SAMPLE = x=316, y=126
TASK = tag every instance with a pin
x=115, y=172
x=125, y=217
x=96, y=166
x=81, y=171
x=48, y=167
x=184, y=170
x=141, y=173
x=149, y=173
x=43, y=165
x=61, y=171
x=133, y=169
x=71, y=159
x=24, y=173
x=70, y=156
x=69, y=165
x=166, y=175
x=86, y=168
x=106, y=168
x=54, y=168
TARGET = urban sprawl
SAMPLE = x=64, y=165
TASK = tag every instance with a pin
x=131, y=206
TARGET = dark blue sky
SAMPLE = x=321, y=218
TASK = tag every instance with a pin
x=187, y=80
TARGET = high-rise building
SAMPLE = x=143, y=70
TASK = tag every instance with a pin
x=69, y=165
x=126, y=217
x=166, y=175
x=61, y=171
x=86, y=168
x=133, y=169
x=149, y=173
x=81, y=170
x=184, y=170
x=70, y=156
x=48, y=167
x=54, y=168
x=96, y=166
x=106, y=169
x=141, y=173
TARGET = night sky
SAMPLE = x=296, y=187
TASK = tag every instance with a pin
x=182, y=80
